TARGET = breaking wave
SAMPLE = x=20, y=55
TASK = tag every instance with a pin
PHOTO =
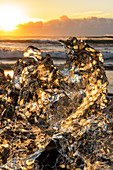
x=30, y=41
x=56, y=117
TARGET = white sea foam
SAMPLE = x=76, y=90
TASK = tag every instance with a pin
x=13, y=48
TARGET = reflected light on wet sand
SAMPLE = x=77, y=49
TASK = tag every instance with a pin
x=10, y=72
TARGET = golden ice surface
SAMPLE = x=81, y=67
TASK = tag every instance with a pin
x=56, y=117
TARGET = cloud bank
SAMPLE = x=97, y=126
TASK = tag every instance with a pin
x=67, y=27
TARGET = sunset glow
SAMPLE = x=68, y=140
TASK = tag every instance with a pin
x=26, y=17
x=11, y=16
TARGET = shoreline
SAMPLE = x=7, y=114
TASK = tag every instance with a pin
x=7, y=64
x=108, y=65
x=57, y=109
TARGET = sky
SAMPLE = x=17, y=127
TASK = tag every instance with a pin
x=14, y=12
x=51, y=9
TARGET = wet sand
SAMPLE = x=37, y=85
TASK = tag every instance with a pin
x=109, y=75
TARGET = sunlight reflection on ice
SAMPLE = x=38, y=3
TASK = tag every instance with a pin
x=10, y=72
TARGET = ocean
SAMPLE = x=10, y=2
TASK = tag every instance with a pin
x=56, y=117
x=12, y=48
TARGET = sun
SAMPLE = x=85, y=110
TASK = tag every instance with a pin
x=10, y=16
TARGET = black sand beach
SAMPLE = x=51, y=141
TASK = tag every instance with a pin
x=57, y=116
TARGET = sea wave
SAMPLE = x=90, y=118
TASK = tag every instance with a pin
x=13, y=53
x=14, y=48
x=48, y=41
x=30, y=41
x=10, y=53
x=107, y=55
x=56, y=117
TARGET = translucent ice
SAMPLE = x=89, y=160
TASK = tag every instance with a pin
x=56, y=117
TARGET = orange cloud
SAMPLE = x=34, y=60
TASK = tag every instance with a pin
x=67, y=27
